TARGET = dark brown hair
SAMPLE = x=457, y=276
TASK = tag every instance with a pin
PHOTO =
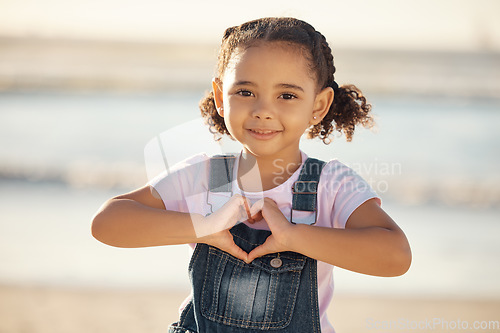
x=349, y=107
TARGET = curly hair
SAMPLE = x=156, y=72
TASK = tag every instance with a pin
x=349, y=107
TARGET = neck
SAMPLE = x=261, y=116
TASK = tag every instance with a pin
x=261, y=173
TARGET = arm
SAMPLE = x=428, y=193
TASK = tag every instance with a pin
x=139, y=219
x=372, y=243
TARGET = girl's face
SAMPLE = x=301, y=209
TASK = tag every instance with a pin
x=269, y=99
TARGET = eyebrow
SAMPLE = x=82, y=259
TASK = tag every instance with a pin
x=244, y=83
x=290, y=86
x=279, y=85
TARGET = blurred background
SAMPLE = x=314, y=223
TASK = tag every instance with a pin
x=85, y=85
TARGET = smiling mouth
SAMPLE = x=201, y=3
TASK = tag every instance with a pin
x=259, y=131
x=263, y=134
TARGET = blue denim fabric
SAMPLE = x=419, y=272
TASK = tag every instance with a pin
x=305, y=190
x=221, y=173
x=231, y=296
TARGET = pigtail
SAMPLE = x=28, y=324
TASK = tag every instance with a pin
x=349, y=108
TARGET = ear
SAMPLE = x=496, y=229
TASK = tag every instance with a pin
x=218, y=95
x=322, y=103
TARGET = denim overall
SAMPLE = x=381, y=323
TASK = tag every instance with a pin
x=277, y=292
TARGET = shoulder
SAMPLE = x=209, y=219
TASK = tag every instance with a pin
x=184, y=178
x=331, y=168
x=341, y=191
x=334, y=170
x=339, y=179
x=190, y=165
x=198, y=160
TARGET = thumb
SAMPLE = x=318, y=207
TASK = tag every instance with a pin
x=256, y=207
x=255, y=212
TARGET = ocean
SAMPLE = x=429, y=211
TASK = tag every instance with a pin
x=433, y=160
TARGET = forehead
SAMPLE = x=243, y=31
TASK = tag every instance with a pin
x=272, y=59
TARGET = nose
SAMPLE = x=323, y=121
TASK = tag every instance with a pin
x=263, y=111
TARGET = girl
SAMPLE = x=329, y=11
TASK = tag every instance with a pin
x=275, y=81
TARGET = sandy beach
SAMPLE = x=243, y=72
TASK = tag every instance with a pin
x=50, y=309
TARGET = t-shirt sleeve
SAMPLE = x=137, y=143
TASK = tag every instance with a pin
x=185, y=179
x=348, y=191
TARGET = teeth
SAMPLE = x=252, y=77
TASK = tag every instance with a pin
x=262, y=132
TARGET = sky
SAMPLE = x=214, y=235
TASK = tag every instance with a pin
x=456, y=25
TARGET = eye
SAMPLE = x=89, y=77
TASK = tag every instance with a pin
x=244, y=93
x=288, y=96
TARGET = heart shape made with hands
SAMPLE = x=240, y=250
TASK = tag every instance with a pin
x=278, y=225
x=238, y=209
x=214, y=228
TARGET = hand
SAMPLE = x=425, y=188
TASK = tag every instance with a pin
x=213, y=229
x=279, y=226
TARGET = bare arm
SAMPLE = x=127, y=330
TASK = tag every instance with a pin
x=372, y=243
x=139, y=219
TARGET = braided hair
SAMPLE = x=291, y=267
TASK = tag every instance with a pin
x=349, y=107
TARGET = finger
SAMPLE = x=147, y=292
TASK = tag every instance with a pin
x=247, y=209
x=271, y=212
x=259, y=251
x=243, y=209
x=231, y=212
x=237, y=252
x=256, y=210
x=269, y=200
x=257, y=217
x=257, y=207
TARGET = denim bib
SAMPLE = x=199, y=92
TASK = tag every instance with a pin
x=276, y=292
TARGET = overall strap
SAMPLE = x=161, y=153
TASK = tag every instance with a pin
x=220, y=187
x=305, y=190
x=221, y=173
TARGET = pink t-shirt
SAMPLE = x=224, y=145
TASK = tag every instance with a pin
x=184, y=188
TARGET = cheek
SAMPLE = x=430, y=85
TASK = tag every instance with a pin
x=236, y=103
x=232, y=120
x=235, y=109
x=300, y=121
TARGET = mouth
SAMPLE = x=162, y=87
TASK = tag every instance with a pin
x=263, y=134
